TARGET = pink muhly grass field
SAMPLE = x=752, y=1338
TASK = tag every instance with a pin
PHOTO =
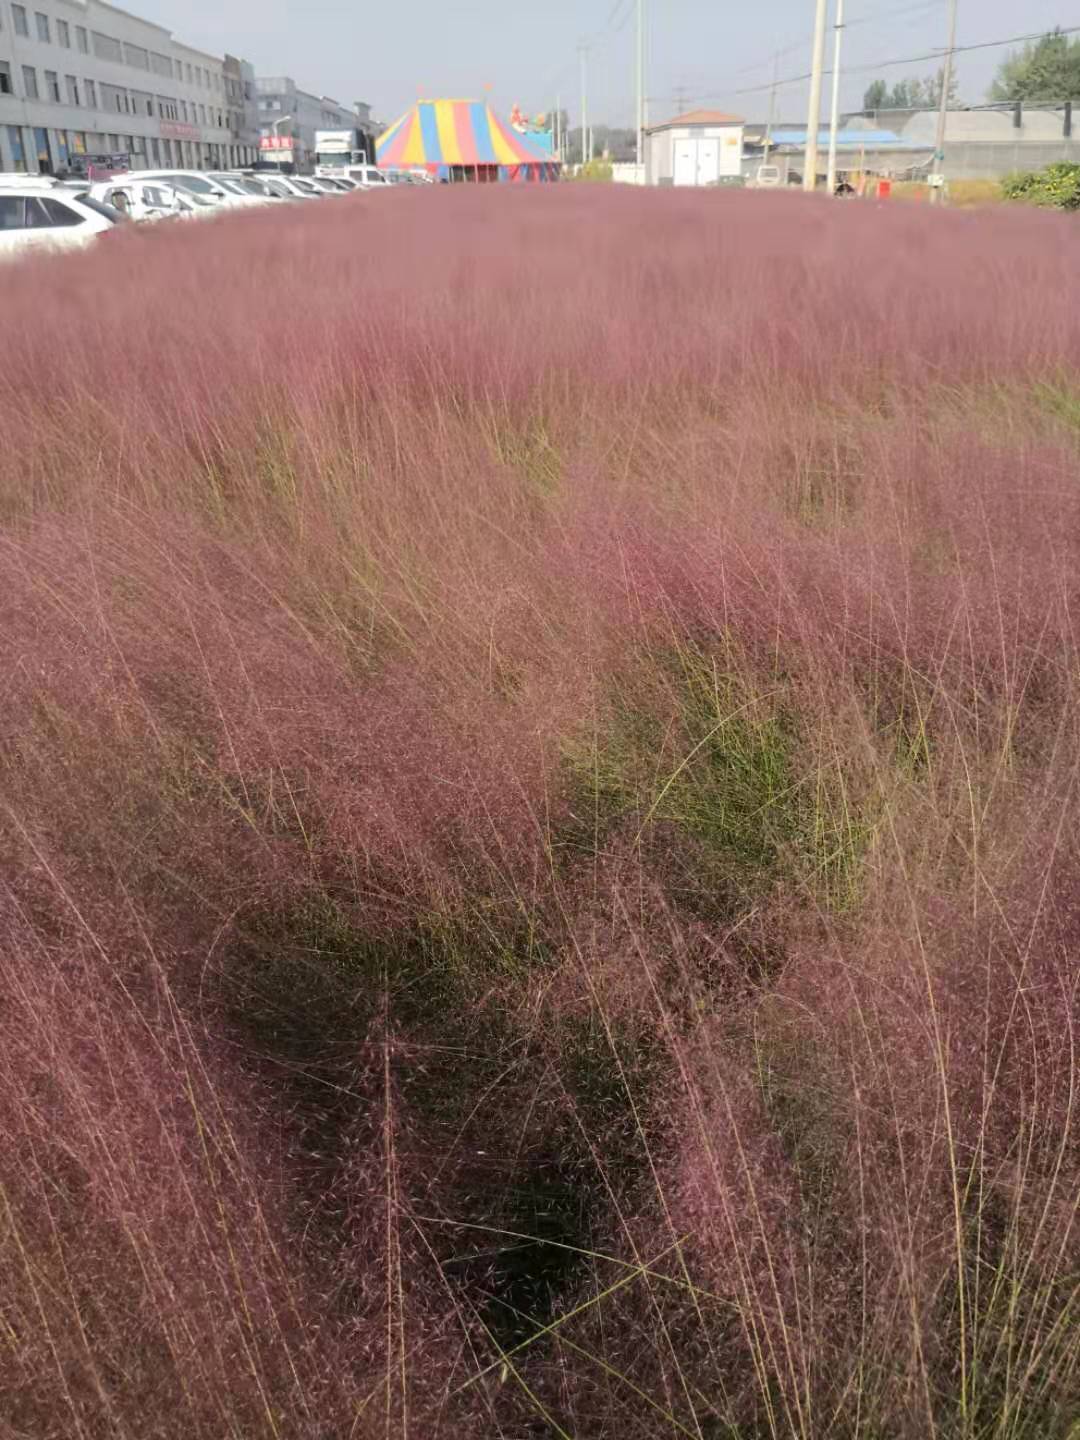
x=539, y=867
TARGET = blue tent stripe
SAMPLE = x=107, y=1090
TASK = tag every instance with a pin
x=429, y=129
x=479, y=120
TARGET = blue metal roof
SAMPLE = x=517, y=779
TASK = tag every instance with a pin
x=849, y=139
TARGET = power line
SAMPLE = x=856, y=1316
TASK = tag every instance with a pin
x=872, y=19
x=889, y=64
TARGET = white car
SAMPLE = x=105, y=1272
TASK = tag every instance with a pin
x=328, y=184
x=766, y=177
x=197, y=182
x=299, y=186
x=139, y=200
x=243, y=185
x=368, y=177
x=37, y=214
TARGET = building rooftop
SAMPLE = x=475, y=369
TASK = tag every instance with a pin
x=849, y=139
x=700, y=117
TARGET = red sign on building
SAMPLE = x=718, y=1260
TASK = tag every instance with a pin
x=177, y=130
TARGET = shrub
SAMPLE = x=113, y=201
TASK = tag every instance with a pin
x=1057, y=187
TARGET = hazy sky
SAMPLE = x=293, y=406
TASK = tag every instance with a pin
x=703, y=51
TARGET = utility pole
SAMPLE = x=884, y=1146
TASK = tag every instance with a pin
x=772, y=105
x=834, y=119
x=583, y=51
x=937, y=192
x=813, y=122
x=640, y=67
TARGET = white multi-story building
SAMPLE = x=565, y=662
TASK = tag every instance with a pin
x=82, y=77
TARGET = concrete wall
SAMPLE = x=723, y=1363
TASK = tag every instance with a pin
x=977, y=161
x=122, y=84
x=985, y=144
x=626, y=172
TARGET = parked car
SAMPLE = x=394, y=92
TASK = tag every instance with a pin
x=197, y=182
x=766, y=177
x=139, y=200
x=368, y=177
x=273, y=184
x=244, y=185
x=298, y=186
x=38, y=214
x=326, y=183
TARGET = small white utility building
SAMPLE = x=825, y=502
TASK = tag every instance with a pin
x=704, y=147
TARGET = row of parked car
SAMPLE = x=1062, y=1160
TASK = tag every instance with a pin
x=42, y=212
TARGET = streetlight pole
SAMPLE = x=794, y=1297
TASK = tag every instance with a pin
x=937, y=192
x=772, y=106
x=281, y=120
x=640, y=126
x=834, y=119
x=583, y=50
x=813, y=122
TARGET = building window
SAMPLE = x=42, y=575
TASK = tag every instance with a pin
x=72, y=89
x=52, y=85
x=106, y=48
x=18, y=16
x=63, y=34
x=42, y=22
x=81, y=39
x=5, y=78
x=149, y=106
x=44, y=154
x=91, y=93
x=29, y=80
x=15, y=145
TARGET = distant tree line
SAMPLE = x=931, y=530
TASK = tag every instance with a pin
x=914, y=93
x=1044, y=71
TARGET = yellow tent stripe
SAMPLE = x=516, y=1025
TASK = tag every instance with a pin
x=504, y=151
x=448, y=139
x=391, y=130
x=413, y=153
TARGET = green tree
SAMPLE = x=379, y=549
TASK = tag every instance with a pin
x=914, y=93
x=1046, y=70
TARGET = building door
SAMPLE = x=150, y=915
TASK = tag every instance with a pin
x=685, y=167
x=708, y=161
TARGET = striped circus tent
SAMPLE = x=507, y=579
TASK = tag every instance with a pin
x=462, y=140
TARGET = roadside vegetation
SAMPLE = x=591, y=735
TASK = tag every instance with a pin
x=1057, y=187
x=539, y=824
